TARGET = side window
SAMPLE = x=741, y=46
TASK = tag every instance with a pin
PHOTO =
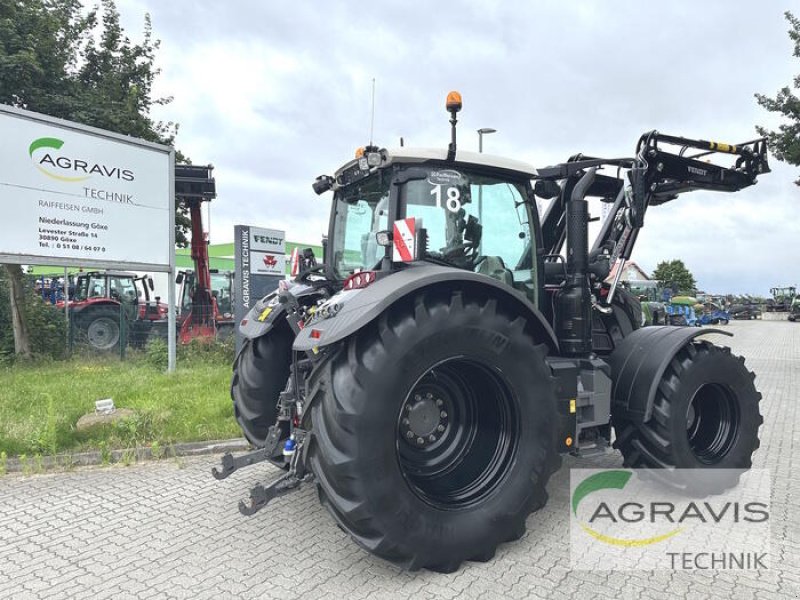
x=499, y=208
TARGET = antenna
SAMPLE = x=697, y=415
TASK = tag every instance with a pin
x=372, y=117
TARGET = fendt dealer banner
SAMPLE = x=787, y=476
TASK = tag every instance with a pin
x=89, y=196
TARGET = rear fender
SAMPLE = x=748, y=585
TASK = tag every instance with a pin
x=350, y=310
x=268, y=312
x=638, y=363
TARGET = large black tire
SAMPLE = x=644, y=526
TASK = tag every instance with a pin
x=260, y=372
x=705, y=415
x=100, y=327
x=434, y=435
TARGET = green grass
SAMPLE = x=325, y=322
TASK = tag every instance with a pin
x=41, y=403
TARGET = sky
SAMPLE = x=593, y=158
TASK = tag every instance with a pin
x=274, y=94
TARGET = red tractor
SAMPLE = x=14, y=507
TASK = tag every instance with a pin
x=102, y=299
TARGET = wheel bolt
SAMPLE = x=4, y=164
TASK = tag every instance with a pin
x=443, y=414
x=440, y=428
x=431, y=438
x=417, y=397
x=439, y=402
x=420, y=441
x=409, y=435
x=406, y=421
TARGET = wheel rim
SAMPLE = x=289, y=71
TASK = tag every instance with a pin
x=712, y=422
x=457, y=433
x=103, y=333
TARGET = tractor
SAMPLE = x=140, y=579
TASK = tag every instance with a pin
x=781, y=299
x=794, y=309
x=429, y=373
x=105, y=301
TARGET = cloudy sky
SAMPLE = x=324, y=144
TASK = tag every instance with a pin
x=274, y=94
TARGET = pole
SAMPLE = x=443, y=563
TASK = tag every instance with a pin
x=172, y=334
x=66, y=302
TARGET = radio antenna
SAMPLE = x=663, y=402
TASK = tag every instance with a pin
x=372, y=116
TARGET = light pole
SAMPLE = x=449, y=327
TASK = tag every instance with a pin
x=481, y=132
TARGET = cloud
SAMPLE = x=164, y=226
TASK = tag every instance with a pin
x=275, y=94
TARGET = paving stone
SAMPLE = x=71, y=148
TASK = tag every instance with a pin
x=156, y=530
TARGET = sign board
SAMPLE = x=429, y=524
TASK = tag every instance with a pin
x=260, y=263
x=71, y=194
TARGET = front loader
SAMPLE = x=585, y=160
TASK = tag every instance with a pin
x=451, y=346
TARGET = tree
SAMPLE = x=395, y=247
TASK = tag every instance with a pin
x=674, y=272
x=57, y=60
x=785, y=143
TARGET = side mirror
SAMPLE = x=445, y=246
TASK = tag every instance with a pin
x=546, y=188
x=179, y=278
x=150, y=283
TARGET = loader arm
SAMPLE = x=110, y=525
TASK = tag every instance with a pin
x=660, y=171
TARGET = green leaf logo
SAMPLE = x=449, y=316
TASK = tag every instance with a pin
x=55, y=144
x=45, y=142
x=615, y=480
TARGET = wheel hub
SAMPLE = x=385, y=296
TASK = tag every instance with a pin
x=424, y=420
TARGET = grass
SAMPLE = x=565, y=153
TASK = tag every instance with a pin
x=41, y=403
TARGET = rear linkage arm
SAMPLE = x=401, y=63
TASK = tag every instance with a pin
x=261, y=495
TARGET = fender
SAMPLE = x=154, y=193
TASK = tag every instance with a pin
x=268, y=311
x=350, y=310
x=639, y=362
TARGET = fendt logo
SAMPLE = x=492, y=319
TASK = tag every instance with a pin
x=65, y=168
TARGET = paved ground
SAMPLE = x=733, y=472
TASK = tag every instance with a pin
x=168, y=530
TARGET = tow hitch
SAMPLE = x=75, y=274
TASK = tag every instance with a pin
x=293, y=454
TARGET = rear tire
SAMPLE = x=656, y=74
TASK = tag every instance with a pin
x=260, y=372
x=101, y=327
x=705, y=415
x=434, y=437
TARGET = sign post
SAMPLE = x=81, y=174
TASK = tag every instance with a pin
x=77, y=195
x=260, y=263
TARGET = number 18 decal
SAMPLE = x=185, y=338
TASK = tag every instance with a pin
x=453, y=201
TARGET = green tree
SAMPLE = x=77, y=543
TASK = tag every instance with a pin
x=785, y=142
x=674, y=272
x=58, y=60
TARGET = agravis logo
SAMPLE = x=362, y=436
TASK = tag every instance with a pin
x=65, y=168
x=603, y=481
x=671, y=518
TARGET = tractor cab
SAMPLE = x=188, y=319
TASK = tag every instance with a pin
x=476, y=213
x=118, y=287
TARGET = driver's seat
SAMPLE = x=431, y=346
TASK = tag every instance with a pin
x=494, y=267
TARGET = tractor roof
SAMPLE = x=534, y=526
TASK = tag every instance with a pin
x=423, y=155
x=108, y=272
x=411, y=155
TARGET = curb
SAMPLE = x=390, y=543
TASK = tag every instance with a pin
x=96, y=457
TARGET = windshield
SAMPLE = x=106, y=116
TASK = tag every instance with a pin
x=361, y=210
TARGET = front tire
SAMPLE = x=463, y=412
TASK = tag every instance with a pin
x=434, y=437
x=705, y=415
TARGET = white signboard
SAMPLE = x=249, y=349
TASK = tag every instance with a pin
x=267, y=251
x=80, y=195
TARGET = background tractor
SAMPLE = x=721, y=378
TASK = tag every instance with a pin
x=429, y=373
x=794, y=309
x=782, y=298
x=106, y=305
